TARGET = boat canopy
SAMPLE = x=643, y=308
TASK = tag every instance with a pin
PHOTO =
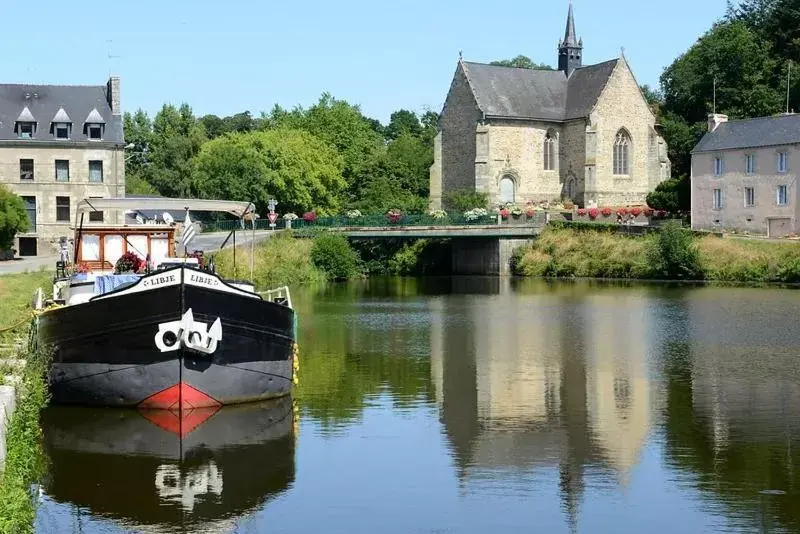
x=236, y=208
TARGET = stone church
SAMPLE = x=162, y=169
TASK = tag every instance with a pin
x=583, y=133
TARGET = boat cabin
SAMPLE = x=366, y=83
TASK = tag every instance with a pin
x=98, y=248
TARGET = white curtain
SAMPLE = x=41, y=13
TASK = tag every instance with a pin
x=90, y=247
x=159, y=250
x=112, y=248
x=138, y=245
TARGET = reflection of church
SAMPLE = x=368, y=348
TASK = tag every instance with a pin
x=553, y=384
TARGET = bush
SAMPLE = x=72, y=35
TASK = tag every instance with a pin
x=13, y=218
x=332, y=253
x=465, y=200
x=673, y=254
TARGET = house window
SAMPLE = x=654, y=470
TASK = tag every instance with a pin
x=95, y=216
x=96, y=171
x=62, y=170
x=26, y=170
x=717, y=199
x=62, y=130
x=783, y=162
x=719, y=167
x=62, y=209
x=750, y=164
x=749, y=197
x=782, y=198
x=507, y=189
x=549, y=152
x=622, y=149
x=95, y=131
x=25, y=130
x=30, y=209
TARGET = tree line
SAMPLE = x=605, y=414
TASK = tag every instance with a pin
x=328, y=157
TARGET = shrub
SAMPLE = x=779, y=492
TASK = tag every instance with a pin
x=438, y=214
x=353, y=214
x=13, y=218
x=465, y=199
x=309, y=216
x=673, y=254
x=333, y=254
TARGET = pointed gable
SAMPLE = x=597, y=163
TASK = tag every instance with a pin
x=585, y=86
x=26, y=116
x=94, y=117
x=61, y=116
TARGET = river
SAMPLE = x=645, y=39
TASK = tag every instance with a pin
x=473, y=405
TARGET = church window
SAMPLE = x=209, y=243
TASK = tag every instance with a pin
x=622, y=153
x=550, y=151
x=507, y=189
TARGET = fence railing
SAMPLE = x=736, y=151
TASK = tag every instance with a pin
x=373, y=221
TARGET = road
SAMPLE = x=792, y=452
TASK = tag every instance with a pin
x=208, y=242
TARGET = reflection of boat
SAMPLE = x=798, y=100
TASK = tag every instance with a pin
x=118, y=464
x=170, y=333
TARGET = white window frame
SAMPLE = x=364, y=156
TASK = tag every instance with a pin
x=55, y=164
x=102, y=171
x=750, y=164
x=717, y=199
x=58, y=126
x=99, y=128
x=785, y=190
x=749, y=202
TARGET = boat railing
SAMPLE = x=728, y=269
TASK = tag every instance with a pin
x=278, y=295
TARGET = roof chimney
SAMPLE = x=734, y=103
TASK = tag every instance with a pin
x=714, y=120
x=112, y=95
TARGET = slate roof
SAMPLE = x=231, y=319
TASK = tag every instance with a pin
x=61, y=116
x=45, y=101
x=752, y=133
x=509, y=92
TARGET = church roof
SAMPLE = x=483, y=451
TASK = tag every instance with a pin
x=509, y=92
x=752, y=133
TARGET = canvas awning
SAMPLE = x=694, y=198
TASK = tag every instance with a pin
x=165, y=204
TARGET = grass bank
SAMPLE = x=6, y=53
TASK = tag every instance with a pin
x=25, y=459
x=671, y=254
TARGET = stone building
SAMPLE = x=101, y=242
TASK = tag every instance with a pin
x=583, y=133
x=60, y=144
x=744, y=176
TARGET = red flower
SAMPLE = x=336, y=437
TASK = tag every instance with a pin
x=309, y=216
x=582, y=211
x=606, y=211
x=622, y=211
x=594, y=212
x=504, y=213
x=530, y=212
x=636, y=211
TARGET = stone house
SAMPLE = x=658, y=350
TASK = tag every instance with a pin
x=744, y=175
x=60, y=144
x=584, y=133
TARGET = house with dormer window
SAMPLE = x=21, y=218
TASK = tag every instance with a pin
x=60, y=144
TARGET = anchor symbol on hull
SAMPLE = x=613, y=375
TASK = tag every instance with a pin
x=188, y=333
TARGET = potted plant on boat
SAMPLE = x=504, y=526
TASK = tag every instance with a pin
x=128, y=263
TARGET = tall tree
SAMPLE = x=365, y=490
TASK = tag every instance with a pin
x=522, y=62
x=13, y=217
x=403, y=121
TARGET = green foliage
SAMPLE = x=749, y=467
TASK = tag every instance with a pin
x=332, y=253
x=421, y=257
x=300, y=171
x=13, y=217
x=521, y=62
x=673, y=254
x=134, y=185
x=672, y=195
x=278, y=261
x=462, y=200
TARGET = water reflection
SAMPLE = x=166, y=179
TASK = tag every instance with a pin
x=135, y=471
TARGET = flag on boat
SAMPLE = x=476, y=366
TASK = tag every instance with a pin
x=189, y=230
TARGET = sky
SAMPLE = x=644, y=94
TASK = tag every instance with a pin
x=224, y=57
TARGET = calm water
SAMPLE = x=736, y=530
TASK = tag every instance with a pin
x=474, y=405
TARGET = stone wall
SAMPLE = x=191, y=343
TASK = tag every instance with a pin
x=573, y=157
x=516, y=149
x=621, y=105
x=734, y=215
x=45, y=187
x=460, y=116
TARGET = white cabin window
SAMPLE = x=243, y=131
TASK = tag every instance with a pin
x=159, y=250
x=138, y=245
x=113, y=246
x=90, y=247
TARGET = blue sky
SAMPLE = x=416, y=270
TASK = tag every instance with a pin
x=236, y=55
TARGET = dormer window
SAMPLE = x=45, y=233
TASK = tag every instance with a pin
x=94, y=125
x=26, y=124
x=61, y=125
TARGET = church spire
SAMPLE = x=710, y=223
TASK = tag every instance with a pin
x=570, y=49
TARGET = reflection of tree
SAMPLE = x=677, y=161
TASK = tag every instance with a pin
x=736, y=467
x=353, y=347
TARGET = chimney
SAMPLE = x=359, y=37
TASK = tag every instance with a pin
x=714, y=120
x=112, y=94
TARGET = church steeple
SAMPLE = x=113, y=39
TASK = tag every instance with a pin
x=570, y=50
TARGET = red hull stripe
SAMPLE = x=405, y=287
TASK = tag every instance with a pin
x=179, y=423
x=179, y=397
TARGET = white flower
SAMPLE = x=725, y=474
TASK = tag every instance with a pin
x=289, y=217
x=352, y=214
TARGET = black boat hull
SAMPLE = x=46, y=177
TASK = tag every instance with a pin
x=126, y=349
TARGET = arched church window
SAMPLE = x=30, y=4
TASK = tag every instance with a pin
x=622, y=152
x=550, y=151
x=507, y=189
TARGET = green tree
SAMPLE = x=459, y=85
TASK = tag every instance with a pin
x=671, y=195
x=138, y=132
x=177, y=138
x=13, y=217
x=673, y=254
x=333, y=254
x=134, y=185
x=299, y=170
x=213, y=125
x=522, y=62
x=403, y=122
